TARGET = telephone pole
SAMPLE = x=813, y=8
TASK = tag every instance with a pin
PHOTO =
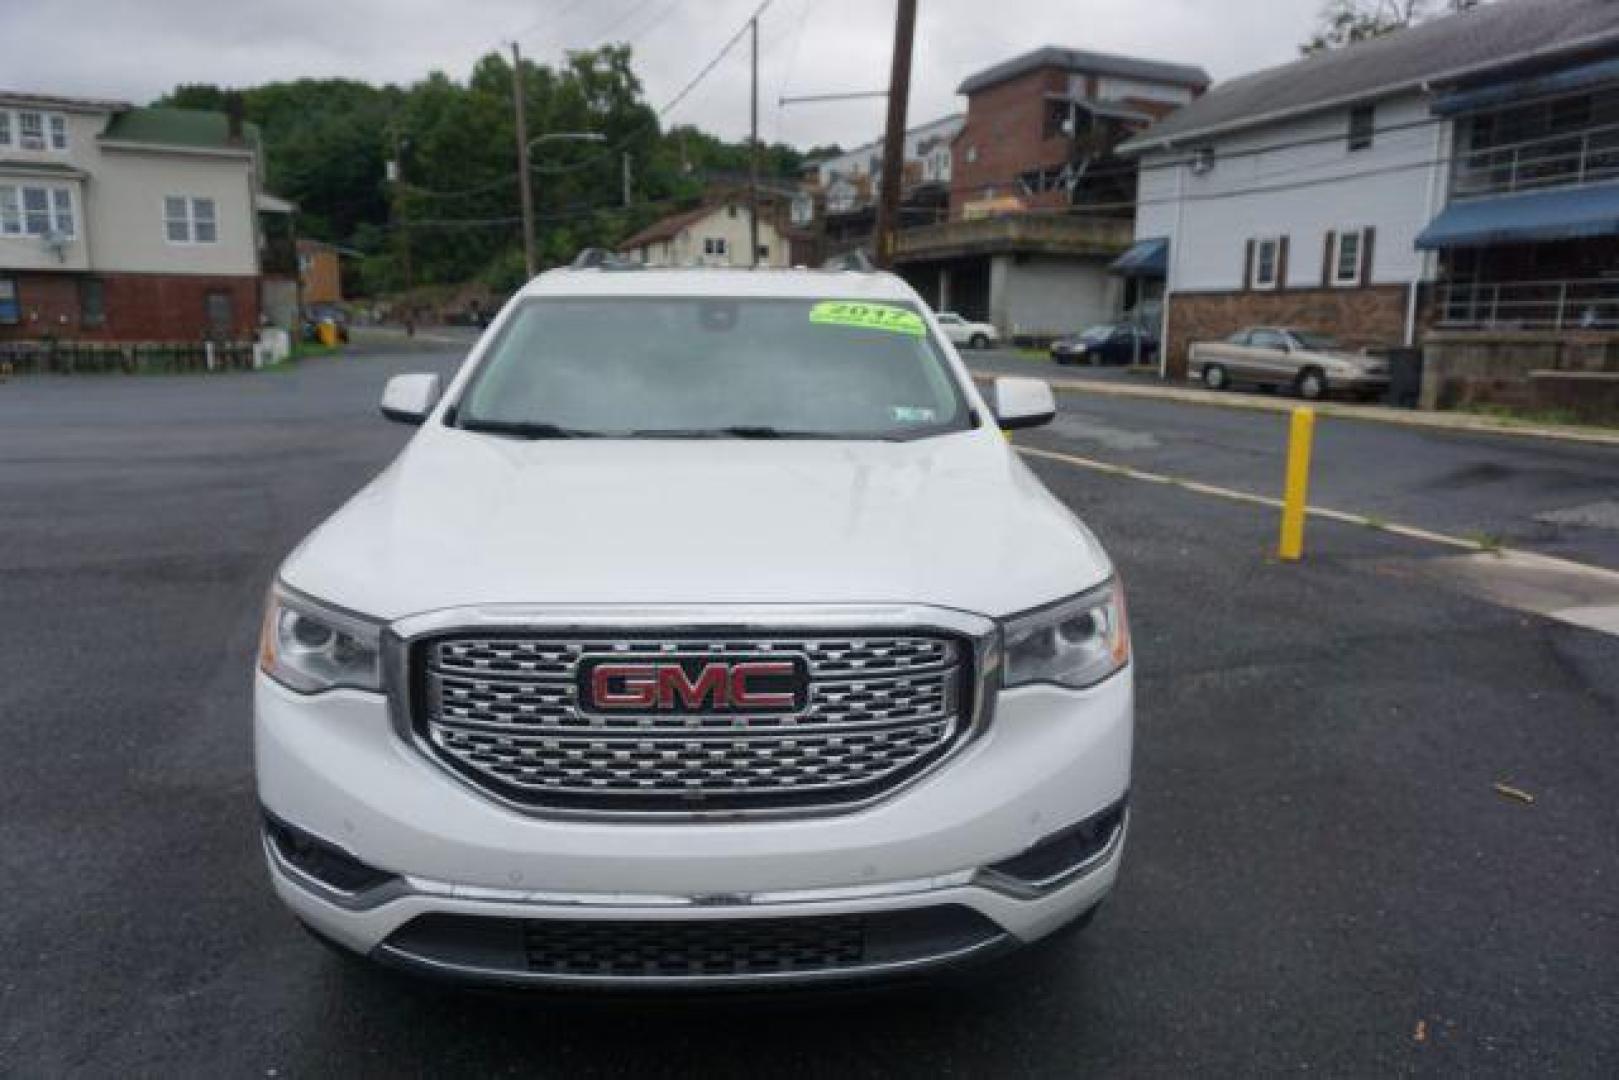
x=899, y=93
x=753, y=162
x=396, y=170
x=626, y=163
x=523, y=186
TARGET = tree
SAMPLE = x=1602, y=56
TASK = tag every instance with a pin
x=1344, y=22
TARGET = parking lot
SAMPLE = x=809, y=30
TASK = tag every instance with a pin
x=1324, y=873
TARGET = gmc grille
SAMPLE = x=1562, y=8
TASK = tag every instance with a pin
x=506, y=713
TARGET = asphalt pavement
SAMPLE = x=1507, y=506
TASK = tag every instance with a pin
x=1322, y=874
x=1555, y=498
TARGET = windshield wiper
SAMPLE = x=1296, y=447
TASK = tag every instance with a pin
x=527, y=429
x=733, y=431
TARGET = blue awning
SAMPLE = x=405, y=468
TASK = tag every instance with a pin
x=1564, y=214
x=1516, y=90
x=1148, y=258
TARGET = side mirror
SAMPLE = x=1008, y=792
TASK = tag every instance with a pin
x=407, y=399
x=1023, y=403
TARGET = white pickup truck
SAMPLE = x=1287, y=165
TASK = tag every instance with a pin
x=1312, y=365
x=708, y=632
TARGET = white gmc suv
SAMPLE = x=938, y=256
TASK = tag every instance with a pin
x=708, y=632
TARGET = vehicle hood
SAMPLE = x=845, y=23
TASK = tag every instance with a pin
x=465, y=519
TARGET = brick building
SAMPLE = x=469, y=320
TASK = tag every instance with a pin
x=1038, y=141
x=126, y=224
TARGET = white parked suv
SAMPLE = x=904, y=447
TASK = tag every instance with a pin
x=707, y=632
x=974, y=335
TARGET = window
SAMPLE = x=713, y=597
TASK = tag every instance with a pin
x=92, y=303
x=764, y=252
x=220, y=313
x=1202, y=160
x=189, y=220
x=31, y=130
x=1268, y=339
x=715, y=245
x=5, y=128
x=58, y=132
x=1264, y=273
x=1362, y=121
x=36, y=211
x=1346, y=259
x=10, y=310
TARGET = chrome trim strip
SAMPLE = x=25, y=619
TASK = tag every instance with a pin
x=844, y=893
x=982, y=635
x=394, y=955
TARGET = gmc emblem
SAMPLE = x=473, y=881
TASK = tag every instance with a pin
x=687, y=684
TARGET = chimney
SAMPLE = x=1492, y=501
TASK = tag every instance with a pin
x=233, y=114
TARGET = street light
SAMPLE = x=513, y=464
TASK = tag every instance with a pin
x=525, y=181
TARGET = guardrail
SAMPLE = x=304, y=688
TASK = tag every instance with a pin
x=1581, y=304
x=1565, y=160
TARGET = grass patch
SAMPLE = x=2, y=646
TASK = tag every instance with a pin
x=1488, y=542
x=1506, y=414
x=1028, y=352
x=1373, y=521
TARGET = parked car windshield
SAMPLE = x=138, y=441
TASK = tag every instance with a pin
x=1097, y=335
x=682, y=367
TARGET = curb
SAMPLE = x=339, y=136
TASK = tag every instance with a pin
x=1375, y=414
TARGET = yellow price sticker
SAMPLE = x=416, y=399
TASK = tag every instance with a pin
x=885, y=317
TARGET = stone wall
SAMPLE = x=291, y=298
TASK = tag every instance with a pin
x=1370, y=316
x=1523, y=369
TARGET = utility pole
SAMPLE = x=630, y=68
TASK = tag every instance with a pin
x=523, y=186
x=401, y=214
x=753, y=163
x=899, y=93
x=626, y=162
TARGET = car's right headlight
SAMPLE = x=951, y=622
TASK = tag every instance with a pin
x=309, y=647
x=1075, y=643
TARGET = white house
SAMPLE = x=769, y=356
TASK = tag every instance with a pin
x=855, y=174
x=123, y=223
x=1389, y=188
x=715, y=234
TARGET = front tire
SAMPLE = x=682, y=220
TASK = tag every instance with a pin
x=1215, y=377
x=1311, y=384
x=979, y=341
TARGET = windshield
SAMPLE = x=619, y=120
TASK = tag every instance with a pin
x=650, y=367
x=1098, y=335
x=1316, y=342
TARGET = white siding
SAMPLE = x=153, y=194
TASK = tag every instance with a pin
x=687, y=245
x=1298, y=191
x=126, y=213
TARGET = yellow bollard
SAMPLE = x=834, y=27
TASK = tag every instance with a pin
x=1301, y=434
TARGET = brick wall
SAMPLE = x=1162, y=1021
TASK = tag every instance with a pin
x=138, y=307
x=1374, y=315
x=1005, y=125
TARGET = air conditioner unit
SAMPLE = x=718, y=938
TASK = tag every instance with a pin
x=1202, y=161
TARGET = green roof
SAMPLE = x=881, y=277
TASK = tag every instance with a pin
x=179, y=127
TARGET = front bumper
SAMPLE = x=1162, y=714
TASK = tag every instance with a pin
x=463, y=880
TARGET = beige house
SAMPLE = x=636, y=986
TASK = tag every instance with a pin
x=716, y=234
x=126, y=224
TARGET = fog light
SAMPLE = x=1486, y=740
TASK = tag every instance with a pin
x=1048, y=862
x=330, y=866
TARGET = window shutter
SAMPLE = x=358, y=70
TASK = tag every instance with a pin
x=1281, y=263
x=1327, y=255
x=1367, y=235
x=1248, y=266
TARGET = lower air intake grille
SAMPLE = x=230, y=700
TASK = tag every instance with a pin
x=663, y=950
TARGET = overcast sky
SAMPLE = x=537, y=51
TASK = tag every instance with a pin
x=137, y=49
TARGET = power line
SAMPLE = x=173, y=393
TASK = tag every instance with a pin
x=708, y=68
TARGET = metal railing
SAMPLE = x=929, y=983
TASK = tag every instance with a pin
x=1565, y=160
x=1575, y=304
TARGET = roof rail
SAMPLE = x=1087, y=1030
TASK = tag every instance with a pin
x=593, y=258
x=856, y=260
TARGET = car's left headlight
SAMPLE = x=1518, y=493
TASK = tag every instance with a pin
x=1075, y=643
x=309, y=647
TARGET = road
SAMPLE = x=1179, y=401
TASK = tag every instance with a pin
x=1556, y=498
x=1321, y=876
